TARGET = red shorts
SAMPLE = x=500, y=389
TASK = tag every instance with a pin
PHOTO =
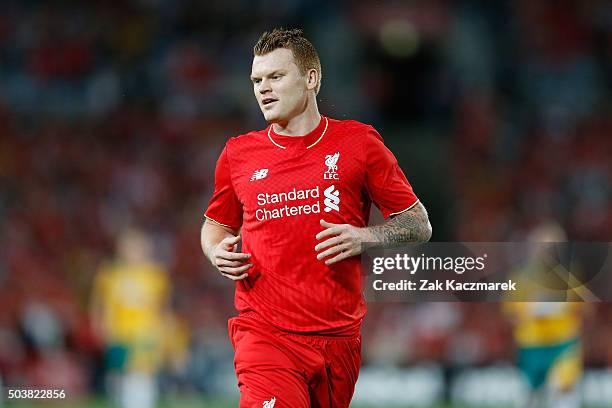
x=276, y=369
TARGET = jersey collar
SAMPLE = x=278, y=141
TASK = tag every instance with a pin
x=310, y=139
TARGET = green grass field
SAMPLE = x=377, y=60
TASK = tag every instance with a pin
x=192, y=403
x=97, y=403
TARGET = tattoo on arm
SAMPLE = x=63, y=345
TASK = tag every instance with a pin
x=410, y=226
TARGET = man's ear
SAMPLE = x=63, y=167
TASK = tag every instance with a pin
x=312, y=79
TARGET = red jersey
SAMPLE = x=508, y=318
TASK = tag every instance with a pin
x=277, y=189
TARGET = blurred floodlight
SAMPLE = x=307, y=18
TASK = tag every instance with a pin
x=399, y=38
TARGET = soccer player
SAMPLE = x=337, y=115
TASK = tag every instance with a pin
x=547, y=334
x=298, y=195
x=129, y=313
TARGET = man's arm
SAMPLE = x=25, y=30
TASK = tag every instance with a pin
x=346, y=240
x=219, y=244
x=410, y=226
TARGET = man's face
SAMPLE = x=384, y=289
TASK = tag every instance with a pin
x=280, y=88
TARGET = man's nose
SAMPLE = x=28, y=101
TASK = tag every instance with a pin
x=264, y=86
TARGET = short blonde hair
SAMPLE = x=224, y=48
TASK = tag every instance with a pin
x=304, y=53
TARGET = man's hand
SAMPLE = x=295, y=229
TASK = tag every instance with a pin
x=343, y=241
x=230, y=263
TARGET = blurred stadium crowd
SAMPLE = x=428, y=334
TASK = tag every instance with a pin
x=113, y=114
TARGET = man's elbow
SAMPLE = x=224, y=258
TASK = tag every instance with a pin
x=422, y=232
x=427, y=232
x=424, y=229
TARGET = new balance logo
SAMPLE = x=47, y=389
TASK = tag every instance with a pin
x=332, y=198
x=269, y=404
x=259, y=174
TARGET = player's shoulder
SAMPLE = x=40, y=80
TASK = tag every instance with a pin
x=249, y=142
x=249, y=138
x=351, y=124
x=355, y=128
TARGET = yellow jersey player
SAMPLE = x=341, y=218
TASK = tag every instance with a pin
x=547, y=333
x=128, y=310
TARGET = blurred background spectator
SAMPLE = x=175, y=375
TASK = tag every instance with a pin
x=113, y=114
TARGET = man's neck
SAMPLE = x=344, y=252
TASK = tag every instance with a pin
x=299, y=125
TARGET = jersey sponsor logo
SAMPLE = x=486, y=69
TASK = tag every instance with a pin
x=259, y=174
x=332, y=198
x=269, y=404
x=291, y=195
x=331, y=161
x=270, y=210
x=296, y=202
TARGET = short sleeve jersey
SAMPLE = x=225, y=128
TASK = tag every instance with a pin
x=276, y=189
